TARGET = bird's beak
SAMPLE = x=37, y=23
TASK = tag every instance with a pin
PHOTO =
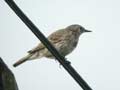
x=87, y=30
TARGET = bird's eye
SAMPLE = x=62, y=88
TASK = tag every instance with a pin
x=82, y=29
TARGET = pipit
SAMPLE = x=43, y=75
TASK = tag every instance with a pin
x=64, y=40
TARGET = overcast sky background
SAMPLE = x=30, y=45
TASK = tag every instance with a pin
x=97, y=57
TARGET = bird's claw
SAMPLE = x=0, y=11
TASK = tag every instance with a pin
x=67, y=62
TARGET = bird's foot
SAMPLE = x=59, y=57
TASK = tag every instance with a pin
x=67, y=62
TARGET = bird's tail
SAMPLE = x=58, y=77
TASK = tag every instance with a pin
x=22, y=60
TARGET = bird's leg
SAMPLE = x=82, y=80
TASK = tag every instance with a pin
x=59, y=63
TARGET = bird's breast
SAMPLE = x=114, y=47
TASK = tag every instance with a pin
x=70, y=45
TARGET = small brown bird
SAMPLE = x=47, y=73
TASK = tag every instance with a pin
x=64, y=40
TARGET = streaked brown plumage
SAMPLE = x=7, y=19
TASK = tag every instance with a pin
x=64, y=40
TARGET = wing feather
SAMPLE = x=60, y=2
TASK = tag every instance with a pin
x=53, y=38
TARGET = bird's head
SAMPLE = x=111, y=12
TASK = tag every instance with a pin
x=78, y=29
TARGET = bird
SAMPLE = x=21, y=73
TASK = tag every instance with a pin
x=64, y=40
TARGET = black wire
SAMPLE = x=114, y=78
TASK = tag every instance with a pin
x=48, y=45
x=1, y=71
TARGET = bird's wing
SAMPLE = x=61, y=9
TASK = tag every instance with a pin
x=40, y=46
x=56, y=36
x=53, y=38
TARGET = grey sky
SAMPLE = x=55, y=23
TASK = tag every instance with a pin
x=96, y=58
